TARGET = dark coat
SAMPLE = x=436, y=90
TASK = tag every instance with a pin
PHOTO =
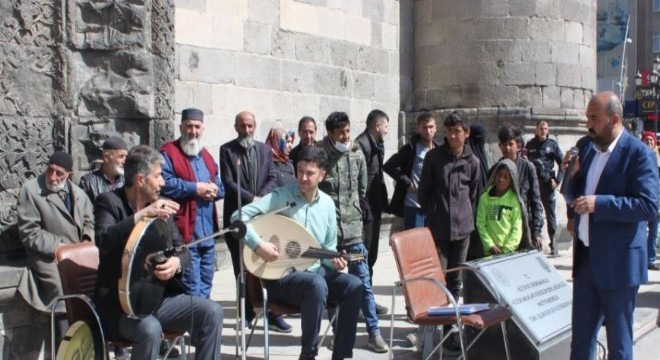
x=544, y=155
x=399, y=167
x=95, y=183
x=229, y=154
x=114, y=224
x=376, y=189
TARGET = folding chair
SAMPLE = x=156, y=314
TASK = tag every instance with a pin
x=419, y=266
x=258, y=296
x=77, y=265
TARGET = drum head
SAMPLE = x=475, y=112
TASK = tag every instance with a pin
x=80, y=342
x=146, y=291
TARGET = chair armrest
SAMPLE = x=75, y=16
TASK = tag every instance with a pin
x=437, y=283
x=482, y=278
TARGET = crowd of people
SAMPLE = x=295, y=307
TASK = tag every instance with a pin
x=339, y=190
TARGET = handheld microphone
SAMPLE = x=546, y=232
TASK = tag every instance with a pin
x=567, y=175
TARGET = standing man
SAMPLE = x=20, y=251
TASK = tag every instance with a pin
x=405, y=167
x=322, y=282
x=111, y=174
x=346, y=183
x=258, y=178
x=543, y=152
x=307, y=134
x=615, y=186
x=117, y=212
x=51, y=211
x=371, y=142
x=192, y=180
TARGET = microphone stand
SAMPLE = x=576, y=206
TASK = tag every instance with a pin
x=241, y=274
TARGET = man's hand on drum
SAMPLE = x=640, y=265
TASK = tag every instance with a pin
x=339, y=263
x=168, y=269
x=267, y=251
x=161, y=208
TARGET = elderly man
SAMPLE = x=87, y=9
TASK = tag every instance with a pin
x=192, y=179
x=257, y=178
x=111, y=173
x=52, y=211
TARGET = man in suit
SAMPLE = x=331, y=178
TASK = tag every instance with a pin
x=117, y=212
x=257, y=178
x=614, y=186
x=51, y=211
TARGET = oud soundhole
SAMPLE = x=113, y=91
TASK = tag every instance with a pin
x=275, y=240
x=293, y=249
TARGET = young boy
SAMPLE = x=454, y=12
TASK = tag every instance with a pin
x=500, y=214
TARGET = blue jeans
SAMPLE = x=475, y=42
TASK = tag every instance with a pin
x=413, y=217
x=652, y=240
x=361, y=270
x=311, y=291
x=197, y=279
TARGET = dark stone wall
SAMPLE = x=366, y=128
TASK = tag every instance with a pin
x=70, y=77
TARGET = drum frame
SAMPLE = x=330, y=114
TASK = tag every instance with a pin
x=123, y=284
x=86, y=300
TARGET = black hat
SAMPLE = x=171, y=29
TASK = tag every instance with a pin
x=60, y=158
x=114, y=143
x=192, y=114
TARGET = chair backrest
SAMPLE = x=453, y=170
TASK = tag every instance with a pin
x=416, y=256
x=77, y=265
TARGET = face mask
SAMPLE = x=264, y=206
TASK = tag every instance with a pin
x=341, y=147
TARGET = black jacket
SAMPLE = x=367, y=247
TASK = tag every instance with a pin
x=544, y=155
x=374, y=155
x=399, y=167
x=448, y=191
x=114, y=224
x=95, y=184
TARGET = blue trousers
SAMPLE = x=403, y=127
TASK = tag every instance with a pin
x=593, y=306
x=413, y=217
x=197, y=279
x=312, y=291
x=361, y=270
x=652, y=241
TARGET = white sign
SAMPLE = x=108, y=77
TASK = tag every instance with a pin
x=539, y=297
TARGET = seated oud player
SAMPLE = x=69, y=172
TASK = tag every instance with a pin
x=321, y=283
x=117, y=212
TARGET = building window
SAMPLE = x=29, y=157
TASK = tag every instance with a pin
x=656, y=5
x=656, y=42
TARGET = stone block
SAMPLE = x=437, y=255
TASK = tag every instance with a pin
x=501, y=50
x=314, y=2
x=565, y=53
x=505, y=96
x=257, y=72
x=330, y=81
x=435, y=99
x=359, y=109
x=363, y=85
x=228, y=100
x=546, y=29
x=448, y=9
x=306, y=105
x=298, y=77
x=573, y=32
x=373, y=60
x=572, y=10
x=227, y=30
x=343, y=54
x=393, y=10
x=205, y=65
x=545, y=74
x=387, y=89
x=587, y=55
x=193, y=28
x=347, y=6
x=549, y=8
x=423, y=12
x=312, y=49
x=183, y=94
x=257, y=38
x=495, y=8
x=202, y=97
x=551, y=97
x=419, y=99
x=376, y=34
x=588, y=78
x=530, y=96
x=523, y=8
x=566, y=98
x=579, y=100
x=513, y=27
x=299, y=17
x=373, y=10
x=422, y=77
x=389, y=36
x=196, y=5
x=356, y=29
x=264, y=11
x=535, y=51
x=569, y=75
x=283, y=45
x=329, y=104
x=518, y=73
x=395, y=65
x=430, y=34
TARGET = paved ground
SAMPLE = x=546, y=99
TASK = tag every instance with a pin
x=286, y=346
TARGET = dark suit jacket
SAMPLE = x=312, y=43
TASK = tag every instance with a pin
x=114, y=224
x=627, y=197
x=229, y=153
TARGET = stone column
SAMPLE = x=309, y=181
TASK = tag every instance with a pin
x=506, y=61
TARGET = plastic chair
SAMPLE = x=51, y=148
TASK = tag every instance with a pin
x=77, y=265
x=419, y=266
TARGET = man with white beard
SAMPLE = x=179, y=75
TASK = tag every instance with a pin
x=51, y=211
x=192, y=179
x=111, y=174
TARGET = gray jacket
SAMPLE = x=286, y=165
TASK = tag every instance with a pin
x=44, y=223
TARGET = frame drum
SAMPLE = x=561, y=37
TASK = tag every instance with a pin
x=80, y=343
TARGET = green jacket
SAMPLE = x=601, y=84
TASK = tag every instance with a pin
x=346, y=183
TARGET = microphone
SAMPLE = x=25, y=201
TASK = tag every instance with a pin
x=567, y=175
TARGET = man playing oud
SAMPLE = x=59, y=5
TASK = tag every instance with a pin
x=321, y=283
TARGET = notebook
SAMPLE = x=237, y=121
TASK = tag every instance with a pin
x=463, y=309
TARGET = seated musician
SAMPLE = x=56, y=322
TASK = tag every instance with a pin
x=117, y=212
x=311, y=290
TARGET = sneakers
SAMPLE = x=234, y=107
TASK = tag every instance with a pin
x=277, y=324
x=165, y=346
x=377, y=343
x=381, y=310
x=331, y=344
x=654, y=267
x=453, y=343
